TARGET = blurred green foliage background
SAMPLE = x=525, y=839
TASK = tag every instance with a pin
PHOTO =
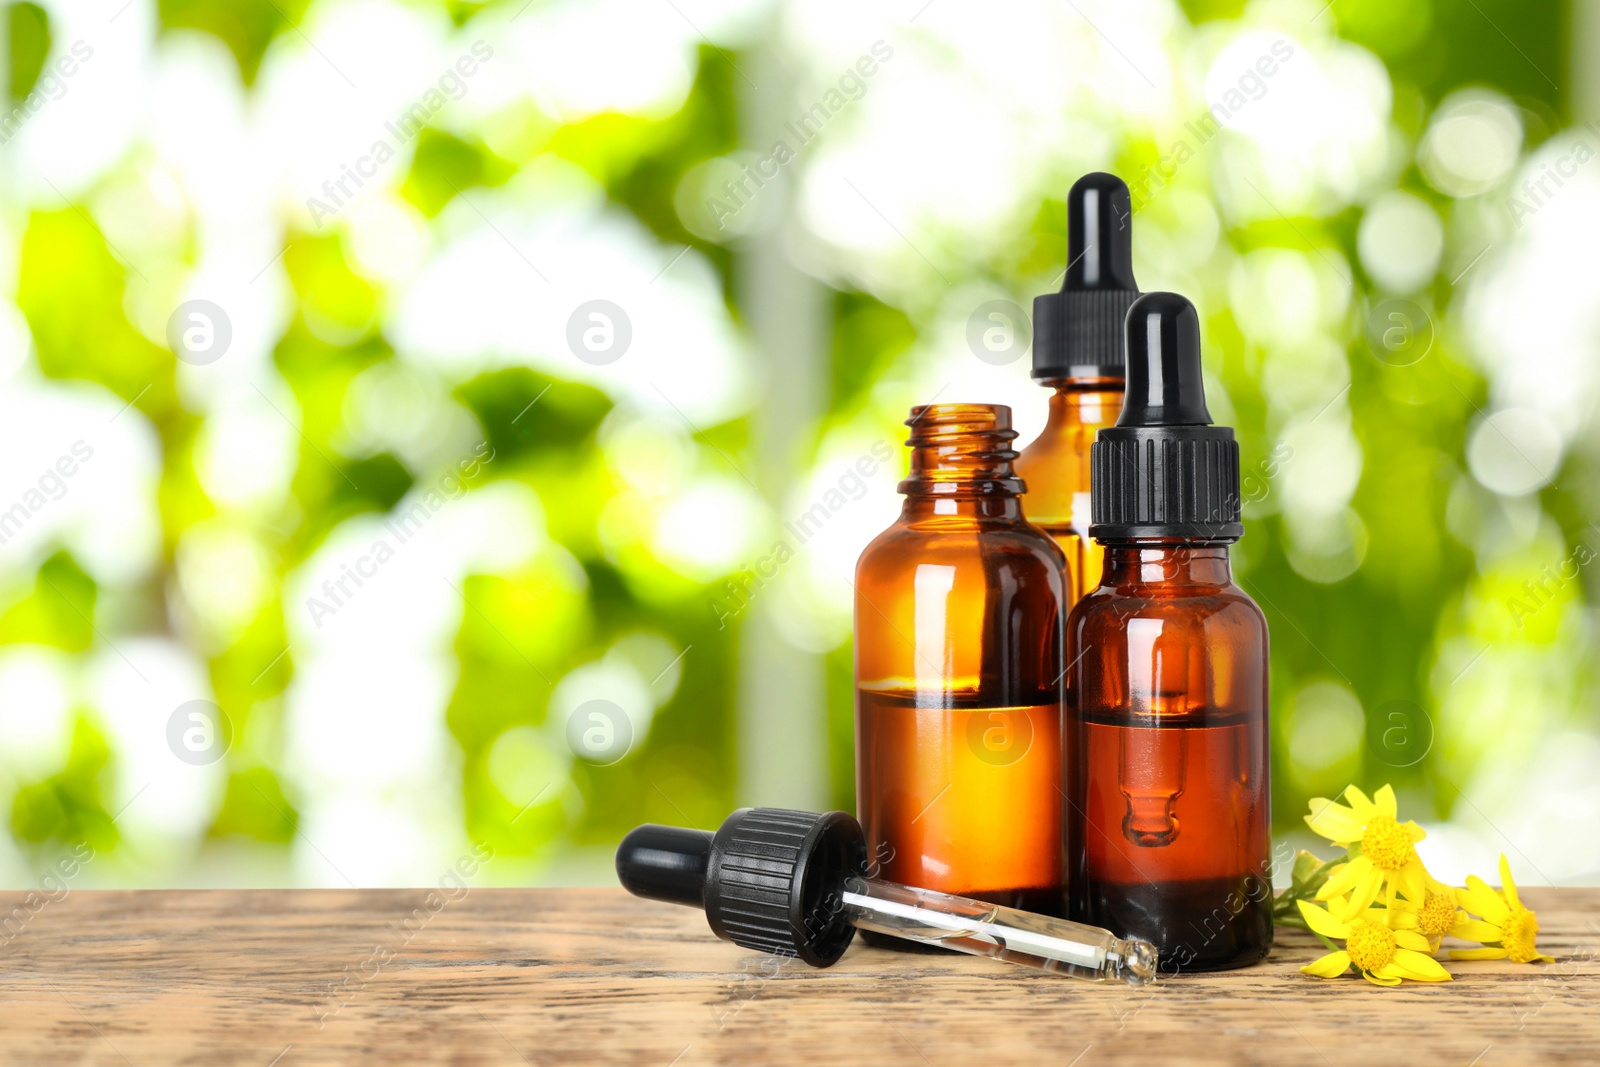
x=581, y=628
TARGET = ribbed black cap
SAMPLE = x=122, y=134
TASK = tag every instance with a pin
x=1078, y=331
x=769, y=879
x=1163, y=471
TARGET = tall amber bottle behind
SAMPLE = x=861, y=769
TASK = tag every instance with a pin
x=958, y=625
x=1077, y=352
x=1167, y=698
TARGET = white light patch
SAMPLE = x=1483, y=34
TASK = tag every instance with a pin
x=1303, y=378
x=332, y=99
x=848, y=498
x=1545, y=361
x=91, y=101
x=81, y=471
x=1514, y=451
x=202, y=131
x=1472, y=142
x=942, y=152
x=16, y=340
x=247, y=450
x=526, y=768
x=400, y=408
x=507, y=286
x=389, y=239
x=1324, y=466
x=1285, y=297
x=1312, y=134
x=372, y=617
x=410, y=837
x=1400, y=241
x=36, y=703
x=1326, y=725
x=649, y=453
x=1326, y=548
x=368, y=723
x=582, y=59
x=225, y=576
x=709, y=528
x=615, y=679
x=161, y=802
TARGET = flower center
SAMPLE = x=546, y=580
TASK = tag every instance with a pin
x=1387, y=844
x=1517, y=936
x=1370, y=944
x=1437, y=915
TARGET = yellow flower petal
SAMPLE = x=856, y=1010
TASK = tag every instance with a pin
x=1334, y=821
x=1345, y=880
x=1330, y=966
x=1359, y=803
x=1479, y=899
x=1507, y=884
x=1411, y=939
x=1417, y=966
x=1322, y=922
x=1366, y=890
x=1378, y=978
x=1417, y=833
x=1384, y=801
x=1414, y=882
x=1475, y=930
x=1477, y=953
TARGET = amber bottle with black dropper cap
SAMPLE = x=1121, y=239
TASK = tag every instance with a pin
x=959, y=607
x=1168, y=815
x=1077, y=352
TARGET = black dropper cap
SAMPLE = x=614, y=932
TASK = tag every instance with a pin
x=770, y=879
x=1077, y=333
x=1163, y=471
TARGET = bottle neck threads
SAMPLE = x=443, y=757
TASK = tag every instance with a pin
x=961, y=450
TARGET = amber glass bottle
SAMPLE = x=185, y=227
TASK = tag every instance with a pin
x=1167, y=823
x=958, y=625
x=1077, y=352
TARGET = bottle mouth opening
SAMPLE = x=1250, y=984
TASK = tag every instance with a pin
x=934, y=423
x=961, y=450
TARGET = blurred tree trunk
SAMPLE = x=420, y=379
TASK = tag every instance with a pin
x=782, y=692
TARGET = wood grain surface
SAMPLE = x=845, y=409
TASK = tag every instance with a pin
x=593, y=976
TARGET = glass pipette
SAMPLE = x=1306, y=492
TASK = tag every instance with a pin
x=796, y=883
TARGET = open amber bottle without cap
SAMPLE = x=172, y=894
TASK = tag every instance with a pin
x=958, y=614
x=1077, y=352
x=1168, y=814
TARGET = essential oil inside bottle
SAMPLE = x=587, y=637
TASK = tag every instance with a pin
x=1167, y=699
x=947, y=786
x=959, y=668
x=1077, y=353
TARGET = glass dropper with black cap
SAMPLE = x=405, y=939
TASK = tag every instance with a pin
x=796, y=883
x=1168, y=824
x=1078, y=355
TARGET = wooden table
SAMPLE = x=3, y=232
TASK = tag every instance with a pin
x=544, y=976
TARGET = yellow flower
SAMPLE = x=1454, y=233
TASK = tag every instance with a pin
x=1435, y=916
x=1383, y=955
x=1387, y=856
x=1505, y=927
